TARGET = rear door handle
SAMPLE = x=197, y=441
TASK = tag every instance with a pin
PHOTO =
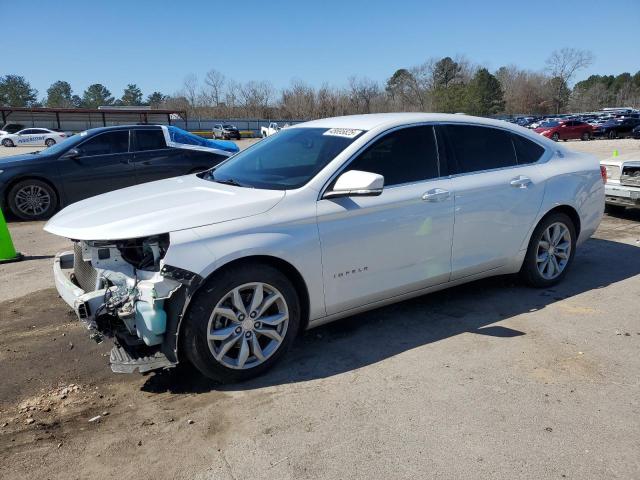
x=520, y=182
x=436, y=195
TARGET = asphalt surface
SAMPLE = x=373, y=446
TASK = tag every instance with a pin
x=487, y=380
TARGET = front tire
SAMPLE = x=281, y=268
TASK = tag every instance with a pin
x=550, y=252
x=241, y=323
x=7, y=142
x=32, y=199
x=613, y=135
x=555, y=137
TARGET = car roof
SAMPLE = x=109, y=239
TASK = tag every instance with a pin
x=121, y=127
x=390, y=120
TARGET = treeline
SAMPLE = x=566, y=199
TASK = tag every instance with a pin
x=439, y=85
x=15, y=91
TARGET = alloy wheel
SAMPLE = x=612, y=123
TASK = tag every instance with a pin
x=32, y=200
x=554, y=251
x=247, y=325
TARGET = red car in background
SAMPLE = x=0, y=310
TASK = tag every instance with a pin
x=565, y=130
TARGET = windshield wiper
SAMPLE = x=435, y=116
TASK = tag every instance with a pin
x=229, y=181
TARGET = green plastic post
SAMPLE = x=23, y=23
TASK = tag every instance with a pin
x=615, y=153
x=7, y=250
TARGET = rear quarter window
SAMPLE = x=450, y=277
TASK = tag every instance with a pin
x=527, y=151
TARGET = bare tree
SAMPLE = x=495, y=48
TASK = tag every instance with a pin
x=362, y=92
x=563, y=65
x=255, y=97
x=215, y=81
x=298, y=101
x=190, y=90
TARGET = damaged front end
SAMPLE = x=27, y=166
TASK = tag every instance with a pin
x=122, y=289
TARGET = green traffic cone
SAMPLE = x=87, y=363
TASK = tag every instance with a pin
x=7, y=250
x=615, y=153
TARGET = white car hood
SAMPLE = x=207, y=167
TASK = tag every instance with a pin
x=159, y=207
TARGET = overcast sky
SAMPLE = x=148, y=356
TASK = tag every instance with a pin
x=156, y=43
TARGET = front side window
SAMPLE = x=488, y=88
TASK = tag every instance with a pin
x=106, y=144
x=404, y=156
x=284, y=161
x=149, y=140
x=477, y=148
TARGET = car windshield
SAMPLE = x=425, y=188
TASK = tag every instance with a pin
x=66, y=144
x=286, y=160
x=549, y=124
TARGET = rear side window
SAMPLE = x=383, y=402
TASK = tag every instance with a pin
x=527, y=151
x=480, y=148
x=106, y=143
x=150, y=140
x=404, y=156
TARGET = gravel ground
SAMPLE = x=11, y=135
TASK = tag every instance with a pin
x=488, y=380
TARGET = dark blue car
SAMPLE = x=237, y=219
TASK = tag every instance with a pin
x=34, y=185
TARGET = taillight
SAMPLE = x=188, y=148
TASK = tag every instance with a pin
x=603, y=173
x=63, y=134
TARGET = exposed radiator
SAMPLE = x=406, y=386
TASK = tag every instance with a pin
x=86, y=275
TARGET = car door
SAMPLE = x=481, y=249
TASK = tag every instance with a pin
x=103, y=164
x=377, y=247
x=38, y=136
x=496, y=198
x=25, y=137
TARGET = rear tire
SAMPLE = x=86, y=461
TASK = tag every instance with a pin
x=612, y=135
x=223, y=325
x=49, y=142
x=585, y=137
x=544, y=267
x=32, y=199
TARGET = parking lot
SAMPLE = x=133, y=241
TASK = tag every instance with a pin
x=488, y=380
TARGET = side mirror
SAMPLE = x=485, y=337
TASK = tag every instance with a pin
x=72, y=153
x=356, y=183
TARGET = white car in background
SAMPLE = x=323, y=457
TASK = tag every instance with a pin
x=32, y=136
x=623, y=182
x=270, y=130
x=324, y=220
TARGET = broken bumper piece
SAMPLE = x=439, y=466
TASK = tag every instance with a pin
x=127, y=360
x=84, y=304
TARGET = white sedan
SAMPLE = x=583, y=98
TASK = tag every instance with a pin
x=32, y=136
x=323, y=220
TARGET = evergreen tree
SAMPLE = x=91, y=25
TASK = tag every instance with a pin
x=96, y=95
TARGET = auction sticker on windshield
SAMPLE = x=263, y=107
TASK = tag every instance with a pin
x=343, y=132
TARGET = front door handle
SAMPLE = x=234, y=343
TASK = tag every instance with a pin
x=520, y=182
x=436, y=195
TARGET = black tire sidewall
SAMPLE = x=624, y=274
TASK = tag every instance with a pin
x=529, y=271
x=18, y=186
x=49, y=142
x=193, y=340
x=7, y=142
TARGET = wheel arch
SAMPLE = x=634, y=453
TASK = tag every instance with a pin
x=570, y=212
x=281, y=265
x=5, y=195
